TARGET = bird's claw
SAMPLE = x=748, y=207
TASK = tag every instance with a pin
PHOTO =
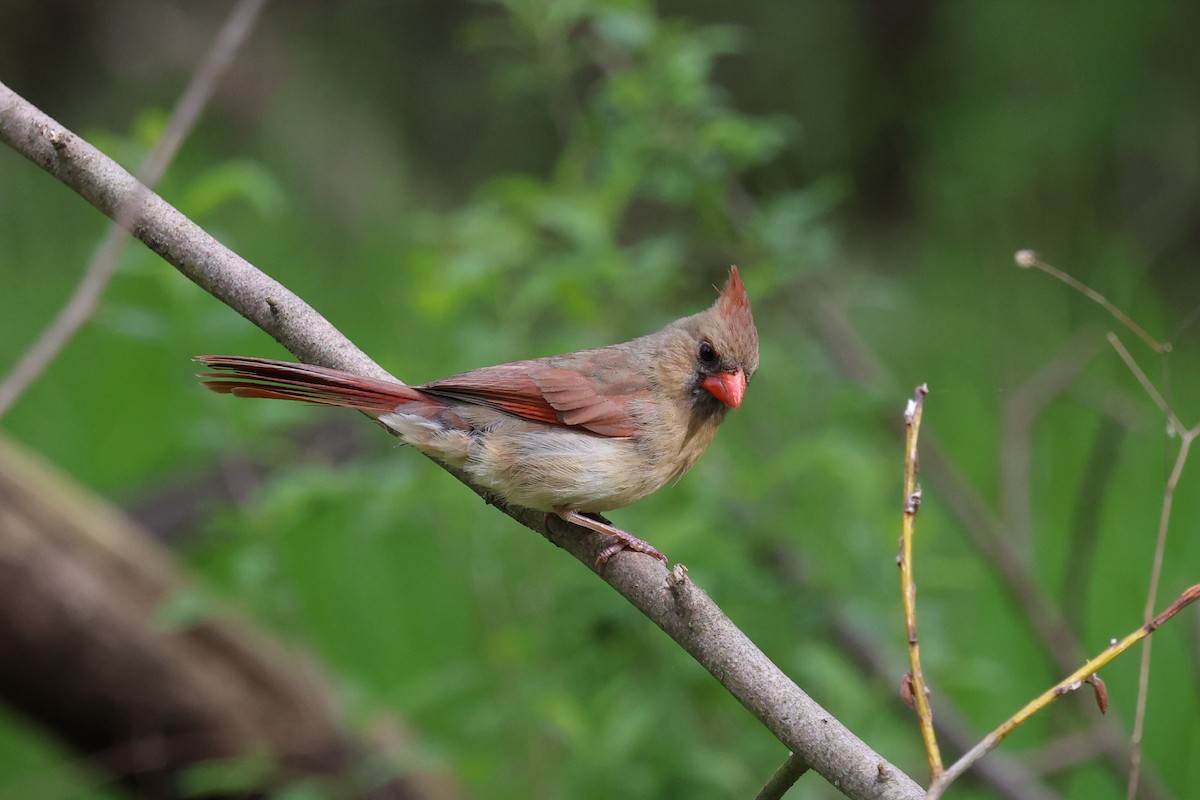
x=631, y=543
x=624, y=541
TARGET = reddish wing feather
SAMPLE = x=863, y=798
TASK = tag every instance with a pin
x=544, y=393
x=506, y=387
x=581, y=401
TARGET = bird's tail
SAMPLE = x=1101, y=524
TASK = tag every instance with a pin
x=246, y=376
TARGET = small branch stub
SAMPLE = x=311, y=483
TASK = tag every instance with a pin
x=677, y=577
x=913, y=408
x=783, y=779
x=56, y=139
x=914, y=502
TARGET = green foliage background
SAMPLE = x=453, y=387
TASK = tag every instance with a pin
x=461, y=184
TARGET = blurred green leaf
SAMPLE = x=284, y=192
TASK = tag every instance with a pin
x=233, y=181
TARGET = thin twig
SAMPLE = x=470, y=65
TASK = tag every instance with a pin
x=99, y=271
x=1027, y=259
x=1069, y=684
x=915, y=685
x=1147, y=384
x=783, y=779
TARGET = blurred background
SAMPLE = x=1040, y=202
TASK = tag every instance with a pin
x=456, y=184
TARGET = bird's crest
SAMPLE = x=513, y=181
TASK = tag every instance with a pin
x=734, y=302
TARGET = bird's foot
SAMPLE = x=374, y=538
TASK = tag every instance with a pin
x=624, y=541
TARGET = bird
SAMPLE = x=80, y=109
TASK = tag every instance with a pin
x=576, y=435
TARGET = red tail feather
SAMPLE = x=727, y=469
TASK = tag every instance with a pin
x=243, y=376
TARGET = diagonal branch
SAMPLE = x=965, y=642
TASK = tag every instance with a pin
x=672, y=601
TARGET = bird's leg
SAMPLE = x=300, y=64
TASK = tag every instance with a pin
x=624, y=540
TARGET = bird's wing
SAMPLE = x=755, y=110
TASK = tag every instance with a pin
x=553, y=392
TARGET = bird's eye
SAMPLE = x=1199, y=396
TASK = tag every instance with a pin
x=708, y=355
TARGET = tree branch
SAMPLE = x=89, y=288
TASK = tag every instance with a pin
x=674, y=603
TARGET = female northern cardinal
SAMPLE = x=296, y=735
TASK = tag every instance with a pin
x=575, y=434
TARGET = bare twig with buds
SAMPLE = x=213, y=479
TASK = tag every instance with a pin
x=914, y=690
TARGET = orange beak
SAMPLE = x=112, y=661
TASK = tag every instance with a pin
x=728, y=387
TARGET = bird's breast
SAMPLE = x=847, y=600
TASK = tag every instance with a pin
x=550, y=468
